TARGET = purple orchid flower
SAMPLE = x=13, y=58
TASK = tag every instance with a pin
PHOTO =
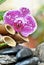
x=21, y=20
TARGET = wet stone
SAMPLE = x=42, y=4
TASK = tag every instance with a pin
x=24, y=53
x=18, y=56
x=10, y=50
x=31, y=61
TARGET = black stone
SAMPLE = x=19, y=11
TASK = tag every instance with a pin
x=10, y=50
x=24, y=53
x=29, y=61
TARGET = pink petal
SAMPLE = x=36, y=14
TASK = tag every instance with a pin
x=30, y=27
x=24, y=11
x=10, y=16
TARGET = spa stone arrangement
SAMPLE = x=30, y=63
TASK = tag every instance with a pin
x=16, y=27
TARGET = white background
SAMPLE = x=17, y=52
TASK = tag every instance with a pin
x=33, y=5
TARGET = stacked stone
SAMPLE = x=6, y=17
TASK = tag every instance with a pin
x=18, y=56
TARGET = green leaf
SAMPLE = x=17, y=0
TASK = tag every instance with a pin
x=1, y=15
x=3, y=44
x=1, y=1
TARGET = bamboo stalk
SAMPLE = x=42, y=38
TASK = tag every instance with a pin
x=19, y=39
x=9, y=41
x=6, y=29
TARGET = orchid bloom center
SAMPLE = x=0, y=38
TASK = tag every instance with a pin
x=19, y=24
